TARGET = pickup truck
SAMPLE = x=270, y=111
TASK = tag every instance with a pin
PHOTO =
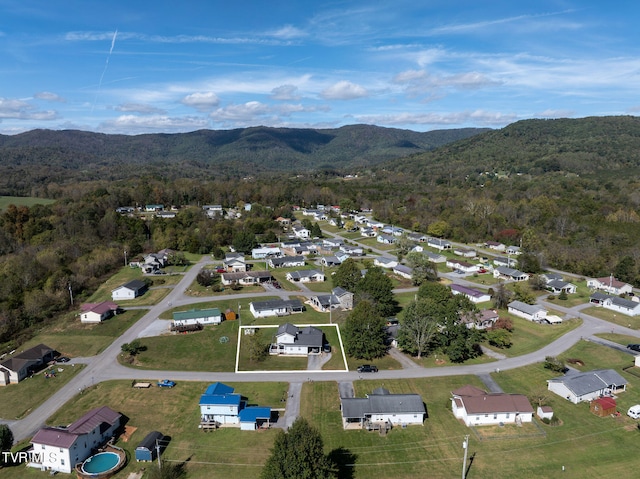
x=166, y=383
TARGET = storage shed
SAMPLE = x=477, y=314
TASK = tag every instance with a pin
x=603, y=406
x=147, y=450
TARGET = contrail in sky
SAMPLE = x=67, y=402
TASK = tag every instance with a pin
x=113, y=44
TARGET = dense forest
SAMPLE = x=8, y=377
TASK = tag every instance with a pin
x=567, y=190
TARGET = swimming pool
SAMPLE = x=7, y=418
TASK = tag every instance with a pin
x=101, y=463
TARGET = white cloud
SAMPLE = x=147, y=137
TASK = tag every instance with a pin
x=242, y=112
x=21, y=110
x=139, y=108
x=132, y=123
x=287, y=32
x=285, y=92
x=46, y=95
x=478, y=117
x=549, y=113
x=419, y=82
x=344, y=90
x=201, y=101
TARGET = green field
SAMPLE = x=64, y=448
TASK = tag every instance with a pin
x=22, y=201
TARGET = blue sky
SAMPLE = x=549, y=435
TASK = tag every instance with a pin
x=160, y=66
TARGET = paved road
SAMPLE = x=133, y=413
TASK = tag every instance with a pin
x=105, y=366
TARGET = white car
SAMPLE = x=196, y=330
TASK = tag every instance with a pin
x=634, y=411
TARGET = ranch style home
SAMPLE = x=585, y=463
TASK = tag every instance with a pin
x=61, y=448
x=531, y=312
x=382, y=407
x=197, y=316
x=616, y=303
x=130, y=290
x=97, y=312
x=245, y=278
x=579, y=387
x=275, y=307
x=610, y=285
x=306, y=276
x=16, y=368
x=291, y=340
x=474, y=295
x=476, y=407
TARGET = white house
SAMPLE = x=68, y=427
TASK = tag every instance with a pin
x=481, y=320
x=474, y=295
x=476, y=407
x=234, y=262
x=130, y=290
x=291, y=340
x=610, y=284
x=301, y=232
x=16, y=368
x=97, y=312
x=386, y=239
x=220, y=404
x=275, y=307
x=197, y=316
x=510, y=274
x=579, y=387
x=266, y=252
x=403, y=271
x=384, y=262
x=438, y=244
x=532, y=312
x=435, y=257
x=245, y=278
x=464, y=252
x=620, y=305
x=61, y=448
x=462, y=266
x=495, y=245
x=382, y=407
x=306, y=276
x=557, y=286
x=287, y=262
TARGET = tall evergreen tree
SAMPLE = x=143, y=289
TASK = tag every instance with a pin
x=6, y=438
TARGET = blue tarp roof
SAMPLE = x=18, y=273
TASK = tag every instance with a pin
x=252, y=413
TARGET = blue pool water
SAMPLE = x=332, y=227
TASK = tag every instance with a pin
x=101, y=462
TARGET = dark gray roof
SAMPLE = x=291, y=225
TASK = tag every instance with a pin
x=525, y=308
x=591, y=381
x=286, y=260
x=380, y=401
x=307, y=336
x=135, y=285
x=277, y=304
x=149, y=442
x=624, y=303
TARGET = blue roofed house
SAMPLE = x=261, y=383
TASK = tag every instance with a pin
x=220, y=406
x=254, y=417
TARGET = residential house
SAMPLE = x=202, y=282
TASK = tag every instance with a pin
x=474, y=295
x=18, y=367
x=220, y=405
x=266, y=252
x=213, y=210
x=557, y=286
x=332, y=243
x=438, y=244
x=59, y=449
x=386, y=239
x=531, y=312
x=549, y=276
x=462, y=266
x=339, y=298
x=610, y=284
x=509, y=274
x=616, y=303
x=287, y=262
x=165, y=214
x=403, y=271
x=291, y=340
x=368, y=232
x=508, y=262
x=383, y=262
x=130, y=290
x=435, y=257
x=301, y=232
x=197, y=316
x=275, y=307
x=476, y=407
x=252, y=418
x=513, y=250
x=330, y=261
x=417, y=237
x=352, y=250
x=306, y=276
x=484, y=319
x=495, y=245
x=153, y=208
x=579, y=387
x=234, y=263
x=246, y=278
x=97, y=312
x=464, y=252
x=382, y=408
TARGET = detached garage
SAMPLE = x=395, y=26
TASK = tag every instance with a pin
x=147, y=450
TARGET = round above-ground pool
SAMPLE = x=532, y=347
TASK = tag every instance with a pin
x=101, y=463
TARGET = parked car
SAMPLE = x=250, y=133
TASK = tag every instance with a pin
x=367, y=368
x=634, y=411
x=62, y=359
x=166, y=383
x=634, y=347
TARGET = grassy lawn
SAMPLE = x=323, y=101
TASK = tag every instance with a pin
x=621, y=339
x=72, y=338
x=18, y=400
x=23, y=201
x=199, y=351
x=127, y=274
x=613, y=317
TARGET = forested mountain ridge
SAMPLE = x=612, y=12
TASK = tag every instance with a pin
x=580, y=146
x=232, y=152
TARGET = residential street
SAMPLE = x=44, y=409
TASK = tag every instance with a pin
x=106, y=367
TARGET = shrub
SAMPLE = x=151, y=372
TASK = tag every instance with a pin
x=554, y=364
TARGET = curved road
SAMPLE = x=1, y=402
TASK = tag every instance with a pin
x=105, y=366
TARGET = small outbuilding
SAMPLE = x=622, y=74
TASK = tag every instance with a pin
x=603, y=407
x=149, y=447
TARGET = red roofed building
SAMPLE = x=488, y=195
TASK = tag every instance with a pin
x=476, y=407
x=97, y=312
x=603, y=407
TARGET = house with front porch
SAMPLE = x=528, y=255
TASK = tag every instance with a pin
x=287, y=262
x=464, y=252
x=579, y=387
x=610, y=285
x=306, y=276
x=476, y=407
x=246, y=278
x=197, y=316
x=234, y=263
x=484, y=319
x=531, y=312
x=386, y=239
x=290, y=340
x=509, y=274
x=275, y=307
x=16, y=368
x=438, y=244
x=382, y=408
x=462, y=266
x=616, y=303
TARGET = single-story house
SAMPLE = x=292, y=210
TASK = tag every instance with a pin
x=97, y=312
x=16, y=368
x=513, y=250
x=382, y=407
x=332, y=242
x=403, y=271
x=462, y=266
x=610, y=284
x=481, y=320
x=368, y=232
x=149, y=447
x=234, y=263
x=197, y=316
x=166, y=214
x=510, y=274
x=300, y=231
x=474, y=295
x=547, y=277
x=150, y=208
x=330, y=261
x=246, y=277
x=464, y=252
x=544, y=412
x=495, y=245
x=266, y=252
x=291, y=340
x=352, y=250
x=417, y=237
x=287, y=262
x=130, y=290
x=438, y=244
x=579, y=387
x=531, y=312
x=622, y=305
x=384, y=262
x=476, y=407
x=386, y=239
x=339, y=298
x=508, y=262
x=306, y=276
x=557, y=286
x=275, y=307
x=59, y=449
x=435, y=257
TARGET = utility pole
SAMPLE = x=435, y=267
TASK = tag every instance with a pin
x=465, y=446
x=70, y=293
x=158, y=454
x=125, y=257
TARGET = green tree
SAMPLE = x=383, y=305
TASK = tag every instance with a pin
x=298, y=454
x=133, y=348
x=423, y=269
x=376, y=287
x=347, y=275
x=522, y=292
x=244, y=241
x=439, y=229
x=206, y=277
x=316, y=232
x=364, y=332
x=6, y=438
x=554, y=364
x=625, y=270
x=529, y=263
x=258, y=347
x=418, y=327
x=501, y=296
x=500, y=338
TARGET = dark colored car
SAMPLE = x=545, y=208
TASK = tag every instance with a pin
x=62, y=359
x=367, y=368
x=634, y=347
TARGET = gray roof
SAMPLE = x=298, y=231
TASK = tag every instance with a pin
x=307, y=336
x=525, y=308
x=381, y=401
x=509, y=271
x=591, y=381
x=624, y=303
x=276, y=304
x=287, y=260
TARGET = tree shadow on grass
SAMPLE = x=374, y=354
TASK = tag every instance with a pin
x=345, y=462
